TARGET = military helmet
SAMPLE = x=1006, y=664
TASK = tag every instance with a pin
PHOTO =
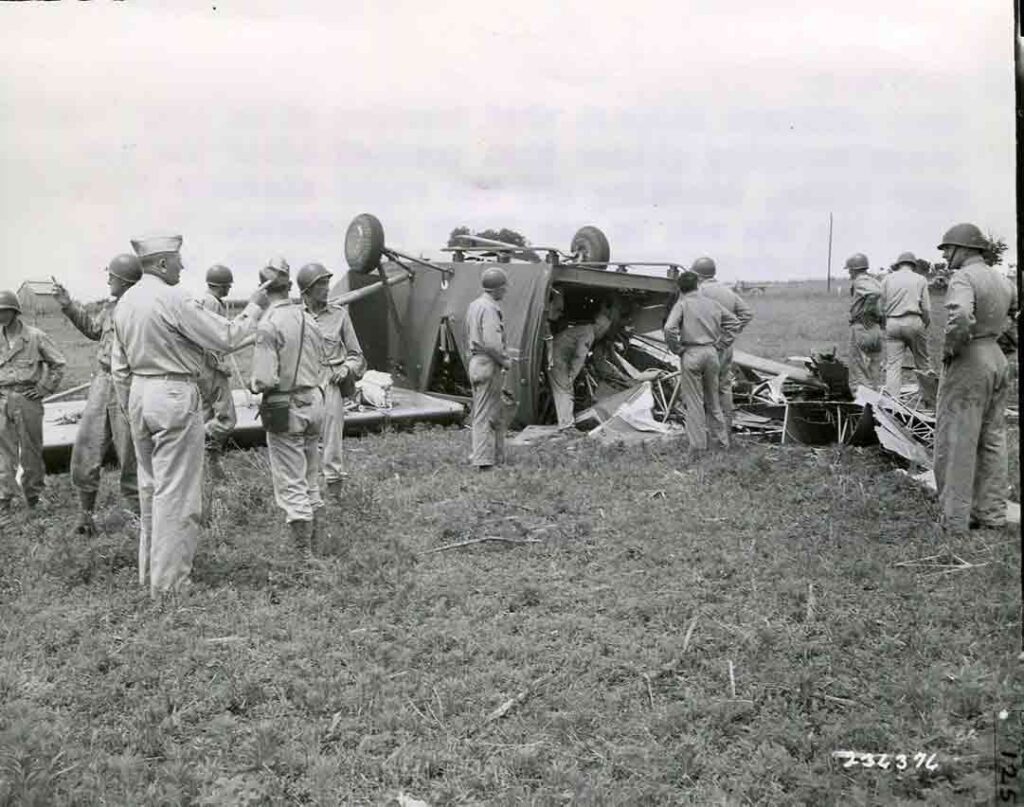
x=9, y=300
x=857, y=262
x=218, y=275
x=964, y=235
x=704, y=266
x=908, y=258
x=310, y=274
x=687, y=281
x=125, y=267
x=278, y=272
x=494, y=278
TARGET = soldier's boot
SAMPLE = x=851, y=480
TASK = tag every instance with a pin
x=334, y=490
x=213, y=464
x=302, y=536
x=87, y=503
x=131, y=501
x=317, y=538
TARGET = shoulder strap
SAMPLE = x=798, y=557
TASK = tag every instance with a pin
x=302, y=344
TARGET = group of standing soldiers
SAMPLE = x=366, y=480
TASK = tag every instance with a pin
x=970, y=456
x=161, y=394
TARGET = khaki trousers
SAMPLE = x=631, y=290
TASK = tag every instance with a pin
x=902, y=334
x=295, y=457
x=970, y=437
x=865, y=356
x=333, y=434
x=219, y=413
x=487, y=420
x=569, y=351
x=21, y=443
x=103, y=424
x=167, y=429
x=725, y=386
x=698, y=387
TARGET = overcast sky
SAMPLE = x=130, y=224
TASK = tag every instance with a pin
x=679, y=128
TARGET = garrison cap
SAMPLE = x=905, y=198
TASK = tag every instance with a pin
x=156, y=245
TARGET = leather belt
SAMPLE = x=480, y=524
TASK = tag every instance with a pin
x=187, y=377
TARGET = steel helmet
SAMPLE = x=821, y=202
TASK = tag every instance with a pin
x=126, y=267
x=704, y=266
x=277, y=271
x=9, y=300
x=218, y=275
x=310, y=274
x=856, y=262
x=494, y=278
x=908, y=258
x=964, y=235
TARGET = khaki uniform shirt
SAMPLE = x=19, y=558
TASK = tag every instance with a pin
x=211, y=303
x=277, y=358
x=866, y=292
x=161, y=330
x=904, y=292
x=485, y=328
x=729, y=300
x=96, y=324
x=341, y=345
x=978, y=305
x=29, y=356
x=696, y=319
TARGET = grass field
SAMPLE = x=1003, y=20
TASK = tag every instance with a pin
x=669, y=630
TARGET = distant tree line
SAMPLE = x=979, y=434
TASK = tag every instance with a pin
x=505, y=235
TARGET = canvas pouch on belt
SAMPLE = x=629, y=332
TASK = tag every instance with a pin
x=274, y=413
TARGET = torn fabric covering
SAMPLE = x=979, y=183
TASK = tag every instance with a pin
x=632, y=420
x=903, y=431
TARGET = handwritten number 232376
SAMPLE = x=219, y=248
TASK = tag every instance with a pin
x=896, y=762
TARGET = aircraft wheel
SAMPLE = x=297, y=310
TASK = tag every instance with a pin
x=364, y=243
x=590, y=245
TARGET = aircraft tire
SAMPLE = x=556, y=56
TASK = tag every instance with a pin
x=591, y=245
x=364, y=243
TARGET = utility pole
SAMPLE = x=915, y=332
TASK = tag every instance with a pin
x=828, y=274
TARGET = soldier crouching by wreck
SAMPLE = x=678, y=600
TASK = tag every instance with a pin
x=287, y=368
x=31, y=368
x=103, y=422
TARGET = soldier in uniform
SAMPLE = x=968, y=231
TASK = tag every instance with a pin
x=288, y=369
x=699, y=329
x=345, y=366
x=31, y=368
x=160, y=335
x=215, y=383
x=103, y=423
x=865, y=324
x=970, y=415
x=569, y=350
x=907, y=308
x=735, y=305
x=488, y=363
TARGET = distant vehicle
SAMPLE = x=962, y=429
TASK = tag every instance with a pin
x=412, y=325
x=750, y=288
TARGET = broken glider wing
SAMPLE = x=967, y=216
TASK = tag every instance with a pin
x=60, y=420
